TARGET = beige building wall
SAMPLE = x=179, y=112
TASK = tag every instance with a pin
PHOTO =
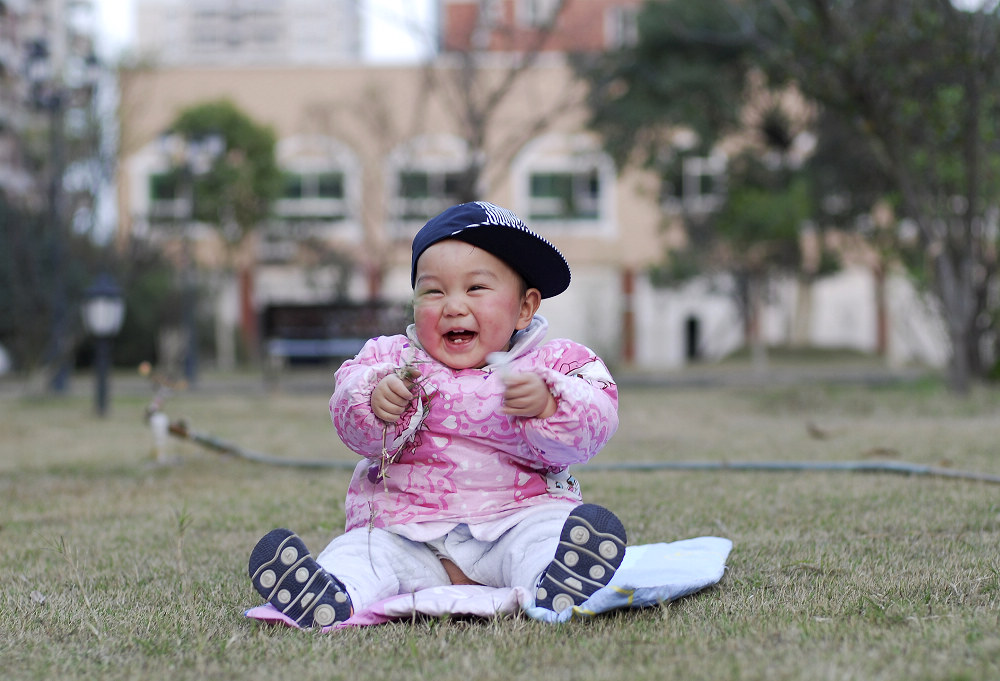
x=375, y=119
x=382, y=116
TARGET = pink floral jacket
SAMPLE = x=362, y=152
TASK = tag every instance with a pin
x=455, y=456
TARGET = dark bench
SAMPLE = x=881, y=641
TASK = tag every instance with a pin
x=326, y=332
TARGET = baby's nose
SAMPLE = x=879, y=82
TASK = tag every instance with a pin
x=454, y=305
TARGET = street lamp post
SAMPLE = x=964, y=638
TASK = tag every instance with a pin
x=44, y=96
x=103, y=314
x=53, y=95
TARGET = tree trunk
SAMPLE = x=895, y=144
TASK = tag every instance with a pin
x=628, y=316
x=248, y=315
x=954, y=302
x=958, y=366
x=881, y=311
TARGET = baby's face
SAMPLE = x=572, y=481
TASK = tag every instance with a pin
x=468, y=303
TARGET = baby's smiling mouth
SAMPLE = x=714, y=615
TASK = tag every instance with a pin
x=459, y=336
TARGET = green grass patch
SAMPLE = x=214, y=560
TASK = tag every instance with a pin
x=115, y=568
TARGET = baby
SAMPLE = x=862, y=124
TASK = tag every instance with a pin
x=467, y=425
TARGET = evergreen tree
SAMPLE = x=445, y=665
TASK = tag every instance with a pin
x=908, y=111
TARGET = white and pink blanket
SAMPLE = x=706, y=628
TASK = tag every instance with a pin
x=650, y=574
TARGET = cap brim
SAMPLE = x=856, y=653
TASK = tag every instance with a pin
x=542, y=266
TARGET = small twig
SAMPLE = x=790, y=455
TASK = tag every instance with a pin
x=385, y=460
x=406, y=373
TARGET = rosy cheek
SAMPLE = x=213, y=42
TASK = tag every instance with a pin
x=424, y=317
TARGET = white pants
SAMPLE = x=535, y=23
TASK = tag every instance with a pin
x=377, y=564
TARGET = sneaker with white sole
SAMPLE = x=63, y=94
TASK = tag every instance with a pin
x=591, y=548
x=283, y=572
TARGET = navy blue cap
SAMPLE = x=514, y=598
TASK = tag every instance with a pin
x=501, y=233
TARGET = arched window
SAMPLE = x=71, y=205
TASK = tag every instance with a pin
x=565, y=181
x=159, y=177
x=425, y=176
x=321, y=186
x=321, y=181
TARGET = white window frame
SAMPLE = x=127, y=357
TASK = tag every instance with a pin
x=547, y=208
x=690, y=197
x=621, y=26
x=311, y=156
x=576, y=154
x=696, y=169
x=311, y=203
x=155, y=219
x=437, y=155
x=537, y=13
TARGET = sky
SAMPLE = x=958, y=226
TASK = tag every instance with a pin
x=389, y=33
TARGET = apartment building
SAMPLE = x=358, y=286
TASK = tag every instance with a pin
x=174, y=33
x=48, y=74
x=14, y=179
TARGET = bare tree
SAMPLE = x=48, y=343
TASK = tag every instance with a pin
x=473, y=81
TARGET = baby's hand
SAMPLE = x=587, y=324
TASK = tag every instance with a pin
x=392, y=395
x=527, y=395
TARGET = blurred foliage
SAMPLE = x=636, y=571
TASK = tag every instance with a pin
x=236, y=191
x=153, y=299
x=678, y=267
x=761, y=219
x=690, y=70
x=689, y=67
x=906, y=98
x=25, y=284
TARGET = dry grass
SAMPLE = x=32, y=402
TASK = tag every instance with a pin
x=117, y=569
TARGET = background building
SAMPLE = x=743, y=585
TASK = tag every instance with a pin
x=51, y=172
x=375, y=153
x=546, y=25
x=48, y=74
x=14, y=178
x=370, y=152
x=248, y=32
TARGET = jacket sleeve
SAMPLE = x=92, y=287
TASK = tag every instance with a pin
x=586, y=413
x=350, y=405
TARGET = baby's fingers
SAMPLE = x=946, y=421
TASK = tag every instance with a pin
x=527, y=395
x=390, y=398
x=399, y=391
x=523, y=384
x=409, y=376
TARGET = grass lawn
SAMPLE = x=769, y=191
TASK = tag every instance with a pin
x=115, y=568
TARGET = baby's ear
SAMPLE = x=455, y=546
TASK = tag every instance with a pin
x=529, y=306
